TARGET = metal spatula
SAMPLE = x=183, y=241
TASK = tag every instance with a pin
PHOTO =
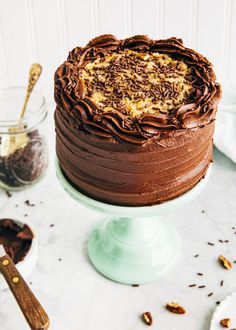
x=33, y=312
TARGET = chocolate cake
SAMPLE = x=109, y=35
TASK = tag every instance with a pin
x=135, y=119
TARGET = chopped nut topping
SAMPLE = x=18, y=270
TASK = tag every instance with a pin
x=136, y=83
x=147, y=318
x=175, y=308
x=225, y=323
x=224, y=262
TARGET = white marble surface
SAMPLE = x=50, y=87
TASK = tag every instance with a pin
x=76, y=297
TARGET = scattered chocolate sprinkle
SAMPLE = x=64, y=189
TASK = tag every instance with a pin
x=192, y=285
x=59, y=259
x=226, y=241
x=203, y=211
x=201, y=286
x=9, y=195
x=135, y=285
x=52, y=225
x=233, y=228
x=221, y=241
x=196, y=256
x=234, y=261
x=200, y=274
x=26, y=215
x=210, y=294
x=27, y=202
x=209, y=243
x=222, y=283
x=217, y=302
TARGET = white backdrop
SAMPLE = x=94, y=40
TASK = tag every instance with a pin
x=45, y=30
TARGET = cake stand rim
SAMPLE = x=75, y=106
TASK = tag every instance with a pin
x=131, y=210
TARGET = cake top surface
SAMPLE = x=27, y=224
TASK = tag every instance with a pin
x=137, y=82
x=136, y=89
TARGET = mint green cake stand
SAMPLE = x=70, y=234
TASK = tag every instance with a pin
x=133, y=245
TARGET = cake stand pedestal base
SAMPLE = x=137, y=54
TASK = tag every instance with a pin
x=133, y=245
x=133, y=250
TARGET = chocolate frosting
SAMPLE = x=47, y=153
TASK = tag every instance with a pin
x=84, y=114
x=15, y=239
x=134, y=161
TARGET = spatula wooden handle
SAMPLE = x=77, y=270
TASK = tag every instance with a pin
x=34, y=313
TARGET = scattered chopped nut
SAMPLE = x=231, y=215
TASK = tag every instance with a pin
x=9, y=195
x=175, y=308
x=225, y=323
x=224, y=262
x=147, y=318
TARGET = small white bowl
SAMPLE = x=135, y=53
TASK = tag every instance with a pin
x=226, y=309
x=225, y=133
x=26, y=266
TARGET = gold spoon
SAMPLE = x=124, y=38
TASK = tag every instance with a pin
x=10, y=143
x=34, y=74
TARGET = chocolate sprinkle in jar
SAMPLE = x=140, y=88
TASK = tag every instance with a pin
x=23, y=151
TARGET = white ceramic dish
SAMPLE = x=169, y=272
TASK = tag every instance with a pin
x=25, y=266
x=226, y=309
x=225, y=132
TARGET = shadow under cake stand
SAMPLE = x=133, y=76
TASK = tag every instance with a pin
x=133, y=245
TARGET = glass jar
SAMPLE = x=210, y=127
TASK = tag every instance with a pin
x=23, y=151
